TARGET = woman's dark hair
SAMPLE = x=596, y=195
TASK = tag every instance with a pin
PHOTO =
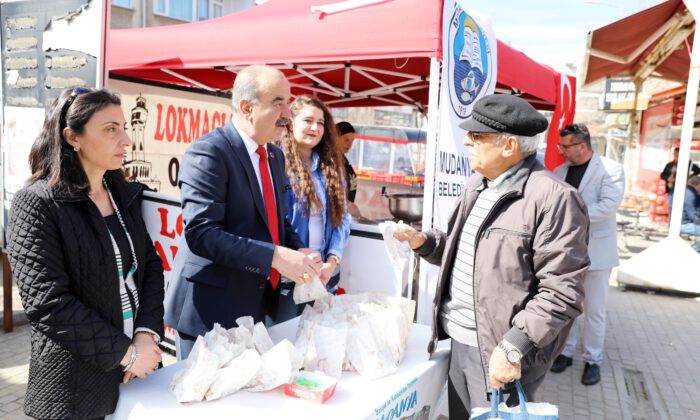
x=51, y=157
x=344, y=128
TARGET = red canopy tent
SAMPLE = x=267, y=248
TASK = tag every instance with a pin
x=378, y=54
x=655, y=41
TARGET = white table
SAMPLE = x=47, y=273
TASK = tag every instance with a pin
x=413, y=388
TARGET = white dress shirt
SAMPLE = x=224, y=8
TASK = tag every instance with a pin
x=252, y=146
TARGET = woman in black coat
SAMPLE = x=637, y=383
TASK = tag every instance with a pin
x=90, y=280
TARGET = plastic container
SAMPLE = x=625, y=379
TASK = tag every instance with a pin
x=312, y=386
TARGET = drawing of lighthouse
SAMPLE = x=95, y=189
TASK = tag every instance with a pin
x=136, y=166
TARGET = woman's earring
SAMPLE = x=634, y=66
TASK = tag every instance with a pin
x=76, y=148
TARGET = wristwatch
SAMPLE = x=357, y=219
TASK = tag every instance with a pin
x=513, y=355
x=334, y=258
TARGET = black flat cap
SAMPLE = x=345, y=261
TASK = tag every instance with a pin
x=505, y=114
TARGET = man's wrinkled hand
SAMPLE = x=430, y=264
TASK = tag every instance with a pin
x=501, y=371
x=414, y=238
x=295, y=265
x=312, y=253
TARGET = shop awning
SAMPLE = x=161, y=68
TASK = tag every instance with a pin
x=377, y=54
x=656, y=41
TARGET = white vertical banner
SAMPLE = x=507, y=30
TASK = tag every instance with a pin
x=469, y=72
x=163, y=218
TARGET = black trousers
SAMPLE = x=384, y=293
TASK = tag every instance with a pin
x=466, y=383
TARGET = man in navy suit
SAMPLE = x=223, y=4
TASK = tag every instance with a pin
x=238, y=239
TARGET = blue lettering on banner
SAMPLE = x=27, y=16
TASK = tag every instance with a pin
x=449, y=189
x=401, y=407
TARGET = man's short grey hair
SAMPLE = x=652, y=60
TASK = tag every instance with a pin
x=247, y=84
x=694, y=181
x=528, y=145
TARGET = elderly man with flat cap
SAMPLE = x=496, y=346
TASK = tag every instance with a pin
x=512, y=260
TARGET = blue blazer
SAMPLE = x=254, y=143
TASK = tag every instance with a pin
x=229, y=250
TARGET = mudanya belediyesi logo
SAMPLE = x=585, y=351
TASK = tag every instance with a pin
x=470, y=64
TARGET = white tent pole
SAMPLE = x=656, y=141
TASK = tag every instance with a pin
x=314, y=72
x=369, y=76
x=313, y=89
x=423, y=313
x=346, y=85
x=691, y=100
x=321, y=82
x=432, y=142
x=387, y=72
x=188, y=79
x=387, y=87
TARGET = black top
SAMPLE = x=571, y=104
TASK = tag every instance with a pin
x=122, y=242
x=350, y=180
x=576, y=173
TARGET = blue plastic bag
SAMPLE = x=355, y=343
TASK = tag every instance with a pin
x=526, y=410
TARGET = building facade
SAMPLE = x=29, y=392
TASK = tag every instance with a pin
x=143, y=13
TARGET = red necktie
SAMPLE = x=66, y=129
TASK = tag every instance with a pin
x=270, y=207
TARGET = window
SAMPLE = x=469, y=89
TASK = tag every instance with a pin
x=217, y=9
x=202, y=9
x=189, y=10
x=159, y=6
x=180, y=9
x=122, y=3
x=207, y=9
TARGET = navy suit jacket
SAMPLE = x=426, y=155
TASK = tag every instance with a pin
x=229, y=250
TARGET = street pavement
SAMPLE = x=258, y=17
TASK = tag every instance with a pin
x=651, y=368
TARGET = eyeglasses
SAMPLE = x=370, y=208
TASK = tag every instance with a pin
x=567, y=146
x=477, y=137
x=74, y=94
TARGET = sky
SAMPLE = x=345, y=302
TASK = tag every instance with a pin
x=553, y=32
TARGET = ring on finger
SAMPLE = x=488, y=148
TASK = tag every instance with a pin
x=305, y=276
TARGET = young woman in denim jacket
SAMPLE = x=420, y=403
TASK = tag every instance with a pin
x=316, y=204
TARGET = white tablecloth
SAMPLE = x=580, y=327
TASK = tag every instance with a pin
x=415, y=387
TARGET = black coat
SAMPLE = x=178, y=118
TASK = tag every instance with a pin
x=64, y=264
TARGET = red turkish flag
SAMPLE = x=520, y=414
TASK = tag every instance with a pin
x=563, y=115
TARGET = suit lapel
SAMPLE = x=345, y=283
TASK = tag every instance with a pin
x=241, y=154
x=562, y=171
x=590, y=170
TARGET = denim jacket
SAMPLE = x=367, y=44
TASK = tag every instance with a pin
x=334, y=239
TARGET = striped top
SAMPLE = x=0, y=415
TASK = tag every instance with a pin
x=457, y=311
x=127, y=286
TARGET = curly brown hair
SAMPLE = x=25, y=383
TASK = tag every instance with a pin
x=330, y=161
